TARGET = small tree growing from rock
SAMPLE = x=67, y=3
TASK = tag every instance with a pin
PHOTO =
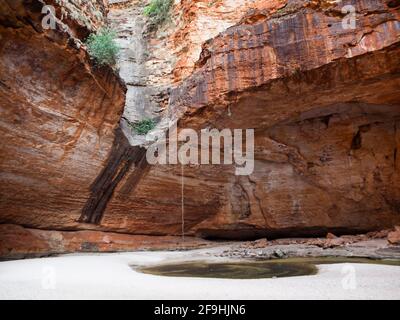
x=102, y=46
x=158, y=11
x=143, y=127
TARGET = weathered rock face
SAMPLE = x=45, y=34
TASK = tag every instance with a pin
x=58, y=116
x=252, y=56
x=394, y=236
x=203, y=20
x=82, y=17
x=18, y=242
x=147, y=74
x=323, y=100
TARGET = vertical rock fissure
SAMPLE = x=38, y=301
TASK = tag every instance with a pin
x=142, y=97
x=126, y=18
x=121, y=158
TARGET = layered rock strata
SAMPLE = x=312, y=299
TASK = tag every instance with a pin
x=59, y=114
x=324, y=103
x=323, y=100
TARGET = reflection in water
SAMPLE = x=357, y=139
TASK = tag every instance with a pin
x=253, y=269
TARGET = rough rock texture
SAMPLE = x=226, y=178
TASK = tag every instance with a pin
x=58, y=117
x=394, y=236
x=82, y=17
x=201, y=20
x=248, y=58
x=146, y=71
x=324, y=102
x=325, y=105
x=17, y=242
x=366, y=246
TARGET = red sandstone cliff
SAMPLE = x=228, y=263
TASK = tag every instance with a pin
x=324, y=102
x=58, y=117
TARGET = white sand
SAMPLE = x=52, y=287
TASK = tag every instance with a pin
x=108, y=276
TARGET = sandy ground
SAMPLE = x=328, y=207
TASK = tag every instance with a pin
x=109, y=276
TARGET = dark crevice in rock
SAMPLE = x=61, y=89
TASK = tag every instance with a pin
x=393, y=3
x=240, y=203
x=205, y=55
x=245, y=233
x=356, y=143
x=326, y=119
x=121, y=158
x=141, y=169
x=4, y=85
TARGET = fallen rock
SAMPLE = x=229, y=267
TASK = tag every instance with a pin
x=337, y=242
x=17, y=242
x=378, y=234
x=262, y=243
x=279, y=253
x=394, y=236
x=330, y=236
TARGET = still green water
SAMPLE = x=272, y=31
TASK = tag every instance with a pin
x=276, y=268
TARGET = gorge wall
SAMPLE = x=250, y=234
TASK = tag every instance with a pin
x=324, y=102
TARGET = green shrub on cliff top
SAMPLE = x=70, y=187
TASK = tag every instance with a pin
x=102, y=46
x=158, y=11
